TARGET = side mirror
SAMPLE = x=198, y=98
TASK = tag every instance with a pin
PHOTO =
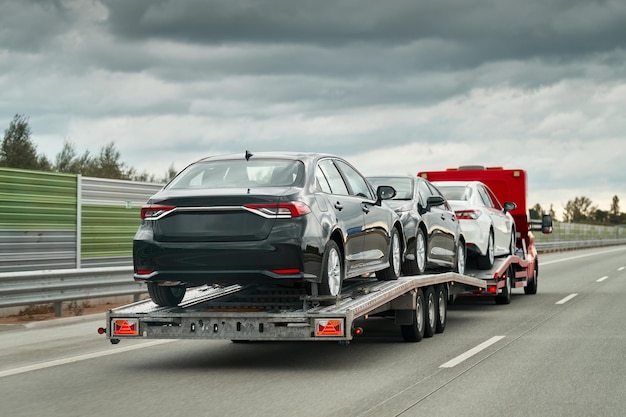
x=546, y=224
x=385, y=192
x=434, y=201
x=508, y=206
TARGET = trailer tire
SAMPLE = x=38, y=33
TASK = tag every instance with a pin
x=431, y=312
x=414, y=332
x=505, y=297
x=332, y=270
x=417, y=266
x=441, y=298
x=531, y=285
x=392, y=272
x=166, y=296
x=486, y=261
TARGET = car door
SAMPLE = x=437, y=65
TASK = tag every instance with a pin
x=440, y=247
x=499, y=220
x=448, y=223
x=377, y=219
x=348, y=212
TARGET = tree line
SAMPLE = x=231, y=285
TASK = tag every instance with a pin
x=17, y=150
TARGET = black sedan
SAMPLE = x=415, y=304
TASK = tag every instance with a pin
x=433, y=233
x=297, y=219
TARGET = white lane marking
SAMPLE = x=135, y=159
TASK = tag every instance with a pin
x=621, y=268
x=602, y=279
x=64, y=361
x=454, y=362
x=566, y=299
x=579, y=256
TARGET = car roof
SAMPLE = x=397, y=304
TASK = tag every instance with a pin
x=309, y=156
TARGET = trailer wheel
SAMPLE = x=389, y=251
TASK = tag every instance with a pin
x=166, y=296
x=531, y=285
x=332, y=270
x=505, y=297
x=431, y=312
x=441, y=298
x=414, y=332
x=417, y=266
x=392, y=272
x=486, y=261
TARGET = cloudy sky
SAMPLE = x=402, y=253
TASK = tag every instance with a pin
x=393, y=86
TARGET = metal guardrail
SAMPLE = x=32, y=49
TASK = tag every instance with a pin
x=58, y=286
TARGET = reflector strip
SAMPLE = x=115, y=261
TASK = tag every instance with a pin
x=332, y=327
x=125, y=327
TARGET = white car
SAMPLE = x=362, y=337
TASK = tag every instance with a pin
x=488, y=226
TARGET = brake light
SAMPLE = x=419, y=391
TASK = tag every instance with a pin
x=329, y=327
x=153, y=212
x=468, y=214
x=279, y=210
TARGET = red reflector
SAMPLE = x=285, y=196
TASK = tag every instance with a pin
x=144, y=271
x=492, y=289
x=125, y=327
x=331, y=327
x=286, y=271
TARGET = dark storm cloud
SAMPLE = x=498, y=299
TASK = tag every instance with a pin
x=486, y=29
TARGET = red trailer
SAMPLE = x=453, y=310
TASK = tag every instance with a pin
x=520, y=270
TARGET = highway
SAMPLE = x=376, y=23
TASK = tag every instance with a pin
x=561, y=352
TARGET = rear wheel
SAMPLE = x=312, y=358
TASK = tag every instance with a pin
x=166, y=296
x=395, y=258
x=441, y=298
x=414, y=332
x=505, y=296
x=431, y=312
x=513, y=242
x=417, y=266
x=531, y=285
x=486, y=261
x=332, y=270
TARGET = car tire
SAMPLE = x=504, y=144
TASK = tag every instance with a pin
x=441, y=298
x=166, y=296
x=417, y=266
x=414, y=332
x=486, y=261
x=513, y=244
x=430, y=302
x=531, y=285
x=392, y=272
x=459, y=260
x=332, y=270
x=505, y=296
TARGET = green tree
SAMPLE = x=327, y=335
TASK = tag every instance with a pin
x=18, y=150
x=535, y=212
x=579, y=210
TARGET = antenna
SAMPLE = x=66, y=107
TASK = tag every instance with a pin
x=248, y=155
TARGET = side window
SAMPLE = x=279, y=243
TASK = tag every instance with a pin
x=357, y=182
x=424, y=192
x=484, y=196
x=332, y=175
x=321, y=181
x=494, y=199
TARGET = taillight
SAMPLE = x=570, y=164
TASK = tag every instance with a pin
x=279, y=210
x=153, y=212
x=468, y=214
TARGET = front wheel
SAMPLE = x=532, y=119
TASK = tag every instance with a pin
x=417, y=266
x=395, y=257
x=459, y=264
x=486, y=261
x=166, y=296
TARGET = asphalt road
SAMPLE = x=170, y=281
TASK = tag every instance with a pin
x=561, y=352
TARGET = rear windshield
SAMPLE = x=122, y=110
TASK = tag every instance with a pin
x=455, y=192
x=240, y=173
x=403, y=186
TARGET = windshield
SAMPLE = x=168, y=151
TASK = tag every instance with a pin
x=240, y=173
x=455, y=192
x=403, y=186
